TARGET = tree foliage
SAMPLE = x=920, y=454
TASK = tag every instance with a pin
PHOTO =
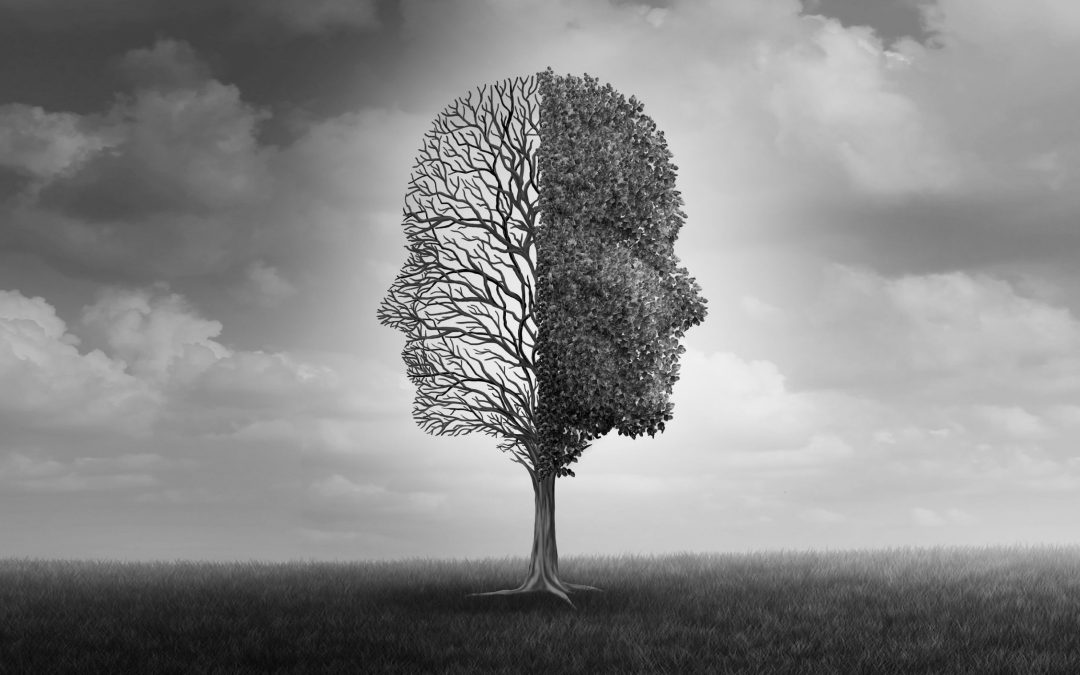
x=612, y=300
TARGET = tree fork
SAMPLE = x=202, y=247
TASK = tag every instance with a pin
x=543, y=574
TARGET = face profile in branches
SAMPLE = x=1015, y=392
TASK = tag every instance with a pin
x=465, y=296
x=542, y=300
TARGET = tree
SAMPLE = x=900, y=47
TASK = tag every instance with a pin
x=541, y=299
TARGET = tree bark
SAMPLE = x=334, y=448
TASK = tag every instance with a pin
x=543, y=574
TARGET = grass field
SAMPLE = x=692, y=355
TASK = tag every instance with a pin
x=1014, y=610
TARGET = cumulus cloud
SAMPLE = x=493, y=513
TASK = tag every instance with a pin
x=959, y=383
x=161, y=357
x=835, y=94
x=1007, y=59
x=49, y=383
x=173, y=180
x=953, y=381
x=747, y=408
x=157, y=335
x=169, y=179
x=867, y=330
x=160, y=338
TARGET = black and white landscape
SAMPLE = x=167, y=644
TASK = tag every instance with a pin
x=200, y=209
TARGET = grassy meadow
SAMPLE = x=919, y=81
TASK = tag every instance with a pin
x=995, y=610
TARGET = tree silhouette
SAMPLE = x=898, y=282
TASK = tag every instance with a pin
x=541, y=299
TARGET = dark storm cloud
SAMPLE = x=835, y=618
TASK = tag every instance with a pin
x=311, y=16
x=186, y=149
x=324, y=56
x=161, y=181
x=173, y=177
x=126, y=159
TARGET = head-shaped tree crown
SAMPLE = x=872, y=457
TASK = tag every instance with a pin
x=542, y=300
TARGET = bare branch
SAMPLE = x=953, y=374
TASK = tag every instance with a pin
x=465, y=295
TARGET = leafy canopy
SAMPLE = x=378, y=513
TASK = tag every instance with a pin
x=612, y=301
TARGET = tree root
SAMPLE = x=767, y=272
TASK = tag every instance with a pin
x=583, y=587
x=556, y=587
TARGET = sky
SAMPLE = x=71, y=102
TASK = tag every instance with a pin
x=200, y=210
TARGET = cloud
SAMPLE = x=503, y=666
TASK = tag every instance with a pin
x=169, y=180
x=997, y=22
x=265, y=382
x=158, y=336
x=746, y=407
x=48, y=383
x=820, y=451
x=264, y=286
x=955, y=381
x=33, y=473
x=865, y=330
x=1013, y=421
x=958, y=382
x=836, y=94
x=1007, y=60
x=46, y=145
x=173, y=180
x=187, y=150
x=337, y=497
x=167, y=64
x=793, y=101
x=162, y=371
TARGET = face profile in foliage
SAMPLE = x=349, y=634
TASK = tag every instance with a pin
x=542, y=300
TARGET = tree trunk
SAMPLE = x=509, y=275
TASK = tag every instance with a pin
x=543, y=574
x=544, y=560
